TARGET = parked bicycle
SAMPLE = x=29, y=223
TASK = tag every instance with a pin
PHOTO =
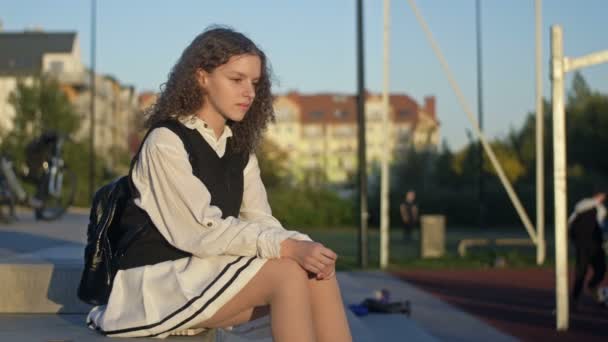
x=53, y=182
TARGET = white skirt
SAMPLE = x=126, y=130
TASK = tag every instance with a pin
x=156, y=300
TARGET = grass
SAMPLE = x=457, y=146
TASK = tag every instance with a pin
x=405, y=255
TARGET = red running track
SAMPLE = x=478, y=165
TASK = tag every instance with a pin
x=518, y=302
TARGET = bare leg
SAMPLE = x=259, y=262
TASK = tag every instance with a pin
x=246, y=316
x=282, y=284
x=329, y=318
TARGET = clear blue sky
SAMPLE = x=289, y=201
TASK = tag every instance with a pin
x=311, y=45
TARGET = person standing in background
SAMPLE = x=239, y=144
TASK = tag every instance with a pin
x=409, y=214
x=585, y=232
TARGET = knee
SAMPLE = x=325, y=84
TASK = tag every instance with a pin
x=330, y=284
x=283, y=272
x=290, y=270
x=285, y=278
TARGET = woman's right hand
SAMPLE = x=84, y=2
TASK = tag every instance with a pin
x=312, y=256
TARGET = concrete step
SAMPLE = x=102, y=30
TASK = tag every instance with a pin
x=71, y=327
x=40, y=327
x=44, y=281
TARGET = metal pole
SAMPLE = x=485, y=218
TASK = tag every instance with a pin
x=92, y=114
x=361, y=146
x=384, y=198
x=480, y=111
x=541, y=251
x=571, y=64
x=559, y=166
x=469, y=113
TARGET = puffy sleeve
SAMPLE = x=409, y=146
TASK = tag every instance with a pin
x=255, y=208
x=179, y=205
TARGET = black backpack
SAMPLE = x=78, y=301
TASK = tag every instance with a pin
x=110, y=232
x=100, y=259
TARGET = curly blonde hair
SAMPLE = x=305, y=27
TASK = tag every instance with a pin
x=182, y=95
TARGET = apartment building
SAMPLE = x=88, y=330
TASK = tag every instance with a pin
x=27, y=55
x=319, y=132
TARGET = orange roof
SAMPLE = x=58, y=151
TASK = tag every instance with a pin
x=328, y=108
x=146, y=99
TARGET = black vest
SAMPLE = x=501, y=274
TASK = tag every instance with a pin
x=223, y=177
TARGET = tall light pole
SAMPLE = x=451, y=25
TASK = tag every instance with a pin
x=480, y=111
x=92, y=113
x=559, y=179
x=361, y=136
x=540, y=154
x=560, y=65
x=384, y=197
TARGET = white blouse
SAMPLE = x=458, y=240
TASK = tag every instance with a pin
x=179, y=203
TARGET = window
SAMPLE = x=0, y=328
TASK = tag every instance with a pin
x=313, y=131
x=373, y=114
x=343, y=131
x=340, y=113
x=56, y=67
x=404, y=113
x=283, y=114
x=317, y=114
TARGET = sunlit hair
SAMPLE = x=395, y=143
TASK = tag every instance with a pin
x=182, y=95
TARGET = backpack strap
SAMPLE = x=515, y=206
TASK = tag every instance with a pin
x=176, y=127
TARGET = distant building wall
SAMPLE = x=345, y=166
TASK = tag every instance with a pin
x=320, y=133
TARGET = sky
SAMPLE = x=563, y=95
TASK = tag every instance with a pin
x=312, y=46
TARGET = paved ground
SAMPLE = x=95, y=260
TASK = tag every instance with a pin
x=40, y=266
x=516, y=301
x=27, y=235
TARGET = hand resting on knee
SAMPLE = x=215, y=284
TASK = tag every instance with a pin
x=311, y=256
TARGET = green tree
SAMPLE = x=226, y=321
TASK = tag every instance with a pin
x=304, y=204
x=579, y=90
x=273, y=164
x=39, y=106
x=587, y=127
x=509, y=160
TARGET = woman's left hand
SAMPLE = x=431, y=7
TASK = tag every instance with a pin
x=327, y=273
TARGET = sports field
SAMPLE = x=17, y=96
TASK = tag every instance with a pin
x=519, y=302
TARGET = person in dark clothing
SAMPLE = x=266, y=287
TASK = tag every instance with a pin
x=409, y=214
x=585, y=231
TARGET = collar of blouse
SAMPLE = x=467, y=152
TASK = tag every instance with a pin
x=194, y=122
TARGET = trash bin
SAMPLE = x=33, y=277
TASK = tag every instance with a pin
x=432, y=236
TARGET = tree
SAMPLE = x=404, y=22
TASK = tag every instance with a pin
x=587, y=133
x=40, y=106
x=273, y=164
x=579, y=90
x=509, y=160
